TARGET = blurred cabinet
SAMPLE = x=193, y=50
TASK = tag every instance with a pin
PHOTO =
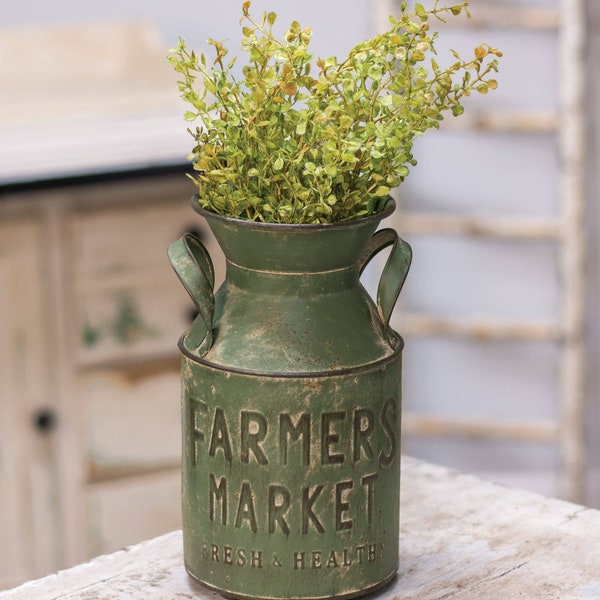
x=90, y=315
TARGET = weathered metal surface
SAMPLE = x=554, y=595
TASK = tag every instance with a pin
x=291, y=484
x=291, y=410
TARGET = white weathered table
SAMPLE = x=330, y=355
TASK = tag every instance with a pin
x=461, y=539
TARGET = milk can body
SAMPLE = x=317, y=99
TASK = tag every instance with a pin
x=291, y=404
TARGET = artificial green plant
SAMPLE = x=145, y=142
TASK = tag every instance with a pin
x=278, y=143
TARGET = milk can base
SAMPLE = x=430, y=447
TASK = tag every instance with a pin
x=344, y=596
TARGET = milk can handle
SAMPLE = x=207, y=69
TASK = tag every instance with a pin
x=193, y=266
x=395, y=270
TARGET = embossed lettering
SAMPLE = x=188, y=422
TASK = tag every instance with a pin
x=256, y=559
x=388, y=424
x=371, y=552
x=342, y=506
x=241, y=557
x=332, y=562
x=251, y=439
x=369, y=482
x=279, y=502
x=288, y=430
x=308, y=515
x=363, y=428
x=220, y=436
x=347, y=563
x=315, y=562
x=246, y=510
x=298, y=560
x=329, y=438
x=343, y=436
x=218, y=493
x=196, y=434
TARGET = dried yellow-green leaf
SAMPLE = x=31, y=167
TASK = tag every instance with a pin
x=481, y=52
x=382, y=190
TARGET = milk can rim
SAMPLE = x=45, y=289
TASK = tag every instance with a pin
x=389, y=208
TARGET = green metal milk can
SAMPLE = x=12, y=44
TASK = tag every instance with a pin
x=291, y=409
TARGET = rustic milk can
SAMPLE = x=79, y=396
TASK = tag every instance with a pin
x=291, y=409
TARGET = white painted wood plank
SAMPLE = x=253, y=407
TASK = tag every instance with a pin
x=461, y=538
x=483, y=329
x=87, y=99
x=479, y=429
x=91, y=146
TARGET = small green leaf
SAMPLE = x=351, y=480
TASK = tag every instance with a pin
x=346, y=121
x=278, y=164
x=382, y=190
x=421, y=12
x=375, y=72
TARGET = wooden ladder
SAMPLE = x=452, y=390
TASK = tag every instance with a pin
x=566, y=230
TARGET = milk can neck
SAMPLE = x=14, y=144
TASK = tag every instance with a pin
x=274, y=280
x=292, y=248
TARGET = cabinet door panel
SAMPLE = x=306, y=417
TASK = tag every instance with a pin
x=129, y=511
x=132, y=322
x=131, y=421
x=117, y=241
x=129, y=301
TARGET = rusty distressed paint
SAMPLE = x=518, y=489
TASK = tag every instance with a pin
x=291, y=402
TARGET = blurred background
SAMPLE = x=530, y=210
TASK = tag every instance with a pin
x=499, y=311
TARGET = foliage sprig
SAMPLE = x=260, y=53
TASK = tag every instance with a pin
x=279, y=144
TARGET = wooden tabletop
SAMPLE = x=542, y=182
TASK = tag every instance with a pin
x=461, y=539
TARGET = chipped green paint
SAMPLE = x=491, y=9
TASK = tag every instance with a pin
x=291, y=408
x=90, y=335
